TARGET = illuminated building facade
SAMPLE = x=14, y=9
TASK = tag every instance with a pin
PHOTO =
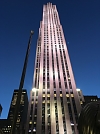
x=22, y=114
x=54, y=101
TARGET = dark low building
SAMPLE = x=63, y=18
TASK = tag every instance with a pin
x=89, y=119
x=90, y=98
x=6, y=124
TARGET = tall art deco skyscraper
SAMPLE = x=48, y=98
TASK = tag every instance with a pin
x=54, y=104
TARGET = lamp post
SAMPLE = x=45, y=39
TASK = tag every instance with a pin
x=21, y=86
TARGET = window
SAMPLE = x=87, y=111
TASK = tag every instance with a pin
x=48, y=84
x=59, y=84
x=54, y=84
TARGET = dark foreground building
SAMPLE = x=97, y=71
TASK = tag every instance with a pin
x=87, y=123
x=22, y=113
x=5, y=124
x=89, y=120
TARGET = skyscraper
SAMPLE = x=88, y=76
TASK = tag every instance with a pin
x=54, y=103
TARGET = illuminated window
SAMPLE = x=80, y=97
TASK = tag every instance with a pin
x=34, y=122
x=81, y=102
x=43, y=101
x=29, y=131
x=43, y=95
x=60, y=95
x=72, y=95
x=34, y=130
x=24, y=92
x=54, y=95
x=30, y=122
x=32, y=102
x=67, y=95
x=18, y=120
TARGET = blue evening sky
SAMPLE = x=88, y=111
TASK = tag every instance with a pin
x=80, y=20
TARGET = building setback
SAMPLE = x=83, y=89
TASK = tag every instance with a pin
x=54, y=103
